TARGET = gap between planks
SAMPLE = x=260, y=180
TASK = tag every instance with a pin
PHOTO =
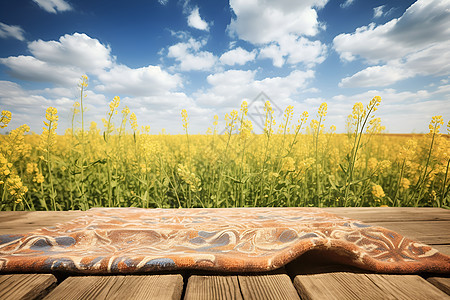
x=251, y=287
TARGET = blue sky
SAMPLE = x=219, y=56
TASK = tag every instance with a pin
x=162, y=56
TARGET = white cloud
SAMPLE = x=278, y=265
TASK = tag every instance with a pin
x=347, y=3
x=237, y=56
x=265, y=21
x=195, y=21
x=375, y=76
x=434, y=60
x=273, y=52
x=61, y=62
x=378, y=11
x=189, y=56
x=146, y=81
x=229, y=88
x=294, y=50
x=414, y=44
x=13, y=31
x=424, y=23
x=163, y=2
x=78, y=50
x=279, y=28
x=32, y=69
x=54, y=6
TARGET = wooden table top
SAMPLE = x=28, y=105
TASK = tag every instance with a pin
x=300, y=279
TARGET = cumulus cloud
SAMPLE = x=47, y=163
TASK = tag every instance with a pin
x=195, y=21
x=237, y=56
x=411, y=45
x=294, y=50
x=32, y=69
x=265, y=21
x=53, y=6
x=232, y=86
x=281, y=28
x=61, y=62
x=190, y=57
x=423, y=23
x=146, y=81
x=78, y=50
x=13, y=31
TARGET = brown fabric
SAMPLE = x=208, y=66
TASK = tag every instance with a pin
x=130, y=240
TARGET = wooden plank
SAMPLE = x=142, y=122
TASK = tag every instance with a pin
x=342, y=285
x=212, y=287
x=442, y=283
x=391, y=214
x=426, y=232
x=25, y=286
x=267, y=287
x=25, y=221
x=119, y=287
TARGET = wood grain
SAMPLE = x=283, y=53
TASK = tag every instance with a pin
x=267, y=287
x=119, y=287
x=432, y=233
x=212, y=288
x=441, y=283
x=25, y=221
x=25, y=286
x=343, y=285
x=391, y=214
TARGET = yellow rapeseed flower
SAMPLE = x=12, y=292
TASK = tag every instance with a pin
x=435, y=124
x=39, y=178
x=215, y=123
x=16, y=188
x=244, y=108
x=405, y=183
x=5, y=118
x=231, y=120
x=113, y=105
x=5, y=166
x=133, y=121
x=302, y=120
x=287, y=117
x=374, y=103
x=75, y=108
x=246, y=129
x=377, y=191
x=185, y=119
x=269, y=120
x=323, y=109
x=190, y=178
x=83, y=81
x=288, y=164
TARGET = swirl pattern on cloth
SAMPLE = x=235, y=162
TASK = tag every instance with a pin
x=135, y=240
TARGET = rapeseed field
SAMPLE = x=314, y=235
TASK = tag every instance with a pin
x=296, y=161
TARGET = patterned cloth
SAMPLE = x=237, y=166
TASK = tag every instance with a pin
x=134, y=240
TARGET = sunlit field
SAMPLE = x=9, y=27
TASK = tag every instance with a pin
x=296, y=161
